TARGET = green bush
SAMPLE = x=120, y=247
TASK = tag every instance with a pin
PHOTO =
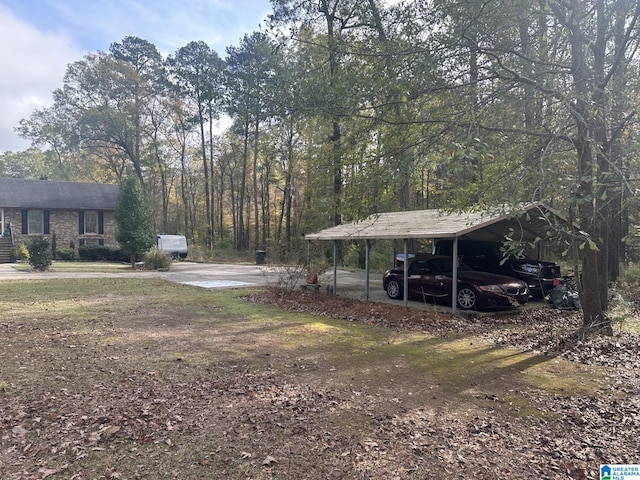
x=54, y=245
x=22, y=252
x=66, y=254
x=40, y=253
x=96, y=253
x=629, y=274
x=157, y=259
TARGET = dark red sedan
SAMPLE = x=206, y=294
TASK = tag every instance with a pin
x=430, y=277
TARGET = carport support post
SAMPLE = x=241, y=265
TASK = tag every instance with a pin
x=367, y=246
x=335, y=266
x=405, y=289
x=454, y=277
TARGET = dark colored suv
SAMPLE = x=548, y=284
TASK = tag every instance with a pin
x=539, y=276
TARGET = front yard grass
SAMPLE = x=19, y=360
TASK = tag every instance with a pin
x=141, y=378
x=78, y=266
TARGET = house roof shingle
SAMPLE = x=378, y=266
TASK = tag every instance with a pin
x=26, y=193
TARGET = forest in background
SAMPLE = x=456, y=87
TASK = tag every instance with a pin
x=343, y=108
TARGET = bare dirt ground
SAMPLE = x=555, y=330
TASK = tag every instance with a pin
x=108, y=379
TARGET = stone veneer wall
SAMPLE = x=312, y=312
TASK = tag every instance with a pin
x=64, y=223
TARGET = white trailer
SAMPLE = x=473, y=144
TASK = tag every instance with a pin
x=175, y=245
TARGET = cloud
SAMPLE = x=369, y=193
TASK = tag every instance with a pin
x=33, y=66
x=39, y=38
x=167, y=24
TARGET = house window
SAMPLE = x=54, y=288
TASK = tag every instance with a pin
x=91, y=222
x=35, y=222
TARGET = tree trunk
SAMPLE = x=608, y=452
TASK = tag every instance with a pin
x=183, y=189
x=212, y=217
x=256, y=211
x=240, y=245
x=590, y=140
x=205, y=171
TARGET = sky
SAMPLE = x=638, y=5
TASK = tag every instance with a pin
x=39, y=38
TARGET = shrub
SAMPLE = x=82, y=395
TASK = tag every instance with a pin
x=54, y=244
x=22, y=253
x=630, y=274
x=157, y=259
x=94, y=253
x=40, y=254
x=66, y=254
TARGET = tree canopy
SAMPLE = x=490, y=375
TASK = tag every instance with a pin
x=344, y=108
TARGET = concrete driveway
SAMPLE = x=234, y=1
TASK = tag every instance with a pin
x=212, y=275
x=207, y=274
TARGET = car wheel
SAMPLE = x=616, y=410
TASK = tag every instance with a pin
x=393, y=288
x=467, y=298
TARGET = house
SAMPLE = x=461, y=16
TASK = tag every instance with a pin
x=77, y=213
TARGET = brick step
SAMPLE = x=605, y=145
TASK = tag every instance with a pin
x=5, y=249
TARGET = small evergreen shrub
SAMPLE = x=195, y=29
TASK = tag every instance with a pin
x=119, y=255
x=66, y=254
x=54, y=245
x=157, y=259
x=22, y=253
x=96, y=253
x=93, y=252
x=40, y=253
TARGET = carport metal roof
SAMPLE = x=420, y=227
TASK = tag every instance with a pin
x=528, y=223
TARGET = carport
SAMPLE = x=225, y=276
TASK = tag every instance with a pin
x=528, y=223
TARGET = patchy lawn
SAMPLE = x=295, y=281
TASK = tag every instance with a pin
x=138, y=378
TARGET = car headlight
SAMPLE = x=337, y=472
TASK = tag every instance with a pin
x=490, y=288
